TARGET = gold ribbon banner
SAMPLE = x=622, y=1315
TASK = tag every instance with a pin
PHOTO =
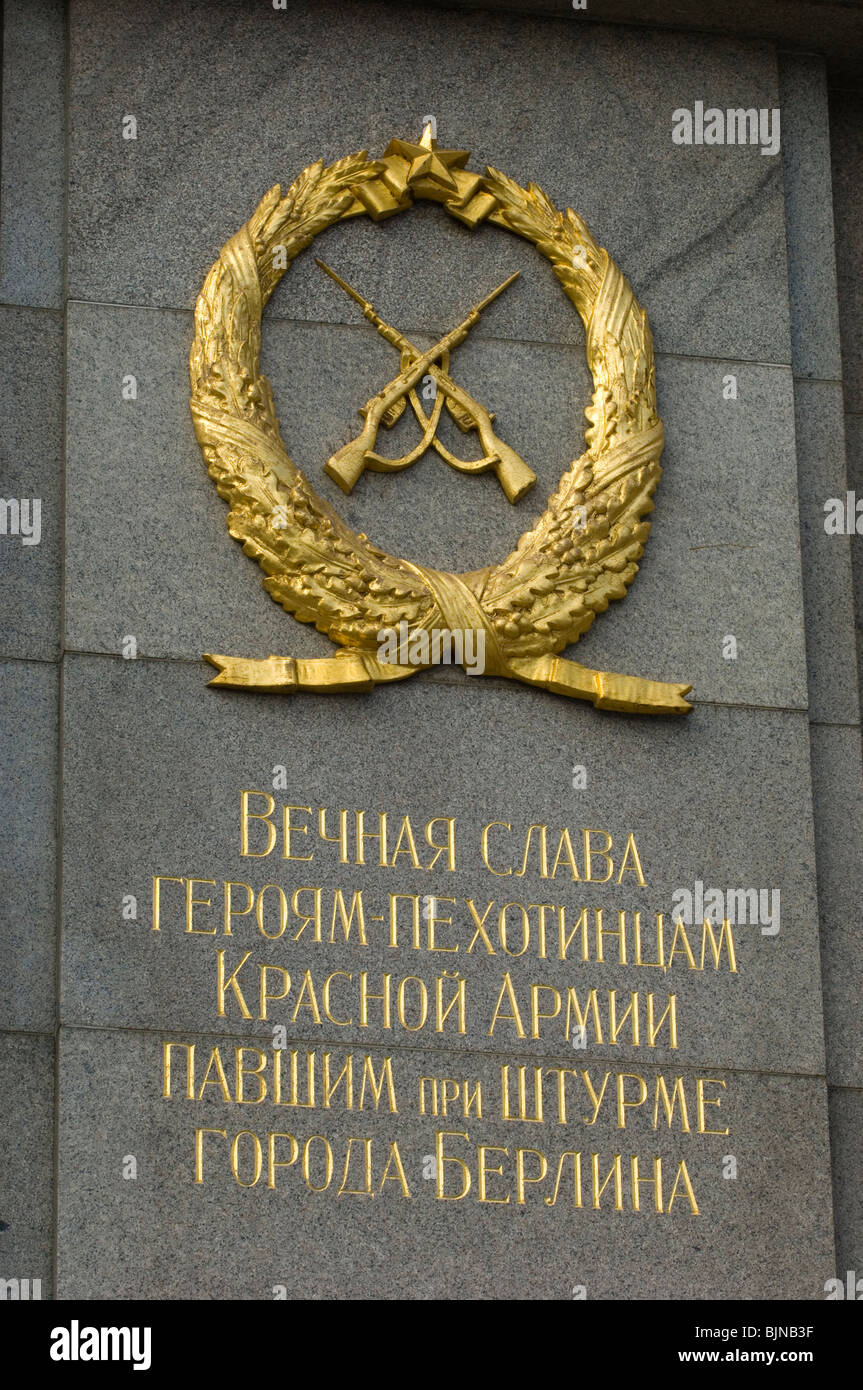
x=459, y=610
x=348, y=671
x=361, y=671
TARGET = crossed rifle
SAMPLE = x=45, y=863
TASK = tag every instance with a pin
x=346, y=466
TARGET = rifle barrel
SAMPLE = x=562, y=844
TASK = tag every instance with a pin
x=484, y=303
x=398, y=340
x=354, y=294
x=386, y=330
x=368, y=307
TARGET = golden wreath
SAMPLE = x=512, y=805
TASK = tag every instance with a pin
x=581, y=553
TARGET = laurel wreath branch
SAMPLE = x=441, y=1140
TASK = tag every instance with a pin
x=581, y=553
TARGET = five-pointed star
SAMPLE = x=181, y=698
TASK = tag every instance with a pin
x=429, y=163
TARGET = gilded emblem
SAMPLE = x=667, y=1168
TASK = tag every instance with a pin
x=581, y=553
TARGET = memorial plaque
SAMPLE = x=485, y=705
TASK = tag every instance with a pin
x=380, y=908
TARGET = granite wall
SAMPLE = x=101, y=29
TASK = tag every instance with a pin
x=117, y=769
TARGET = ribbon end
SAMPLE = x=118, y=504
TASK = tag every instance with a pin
x=604, y=689
x=277, y=673
x=633, y=695
x=221, y=665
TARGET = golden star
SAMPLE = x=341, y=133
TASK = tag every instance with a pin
x=429, y=166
